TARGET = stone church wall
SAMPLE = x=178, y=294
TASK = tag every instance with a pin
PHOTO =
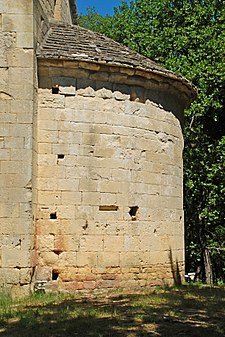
x=21, y=24
x=91, y=166
x=16, y=116
x=109, y=183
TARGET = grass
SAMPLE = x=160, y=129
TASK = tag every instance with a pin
x=186, y=311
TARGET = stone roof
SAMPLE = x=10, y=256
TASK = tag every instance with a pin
x=72, y=42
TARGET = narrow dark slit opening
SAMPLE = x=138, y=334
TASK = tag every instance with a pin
x=133, y=212
x=53, y=215
x=55, y=275
x=108, y=208
x=55, y=89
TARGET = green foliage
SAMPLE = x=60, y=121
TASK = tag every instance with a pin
x=95, y=22
x=188, y=37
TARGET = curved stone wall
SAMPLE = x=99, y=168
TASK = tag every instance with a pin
x=110, y=210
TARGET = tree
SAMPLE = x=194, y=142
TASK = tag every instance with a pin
x=95, y=22
x=188, y=37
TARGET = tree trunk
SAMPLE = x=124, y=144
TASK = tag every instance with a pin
x=207, y=266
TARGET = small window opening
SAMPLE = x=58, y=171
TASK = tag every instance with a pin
x=55, y=89
x=61, y=156
x=55, y=275
x=53, y=215
x=133, y=212
x=108, y=208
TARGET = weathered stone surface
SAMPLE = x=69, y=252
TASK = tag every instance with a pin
x=91, y=157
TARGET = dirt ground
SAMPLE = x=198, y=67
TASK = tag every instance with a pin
x=189, y=311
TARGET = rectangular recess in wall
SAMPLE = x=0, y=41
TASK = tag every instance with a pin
x=108, y=208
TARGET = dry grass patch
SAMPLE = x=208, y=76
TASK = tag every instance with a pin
x=187, y=311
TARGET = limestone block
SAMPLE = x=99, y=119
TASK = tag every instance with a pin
x=9, y=276
x=23, y=155
x=71, y=242
x=5, y=130
x=17, y=22
x=15, y=226
x=55, y=171
x=159, y=257
x=91, y=243
x=4, y=78
x=49, y=258
x=46, y=242
x=5, y=154
x=86, y=259
x=109, y=199
x=48, y=137
x=49, y=125
x=104, y=93
x=46, y=226
x=113, y=243
x=73, y=71
x=43, y=273
x=72, y=286
x=49, y=197
x=20, y=7
x=87, y=92
x=43, y=71
x=51, y=101
x=7, y=41
x=24, y=119
x=47, y=184
x=108, y=259
x=67, y=259
x=20, y=130
x=129, y=259
x=71, y=198
x=44, y=148
x=110, y=186
x=91, y=139
x=68, y=185
x=104, y=152
x=101, y=129
x=20, y=291
x=21, y=106
x=120, y=97
x=73, y=226
x=20, y=58
x=47, y=159
x=88, y=185
x=25, y=275
x=84, y=212
x=107, y=284
x=91, y=198
x=66, y=212
x=12, y=258
x=132, y=243
x=89, y=285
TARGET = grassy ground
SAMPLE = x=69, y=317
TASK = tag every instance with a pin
x=188, y=311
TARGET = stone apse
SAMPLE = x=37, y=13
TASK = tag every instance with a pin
x=91, y=157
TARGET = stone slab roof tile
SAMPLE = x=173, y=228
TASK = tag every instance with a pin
x=74, y=42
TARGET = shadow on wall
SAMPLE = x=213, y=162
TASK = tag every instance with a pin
x=175, y=269
x=160, y=97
